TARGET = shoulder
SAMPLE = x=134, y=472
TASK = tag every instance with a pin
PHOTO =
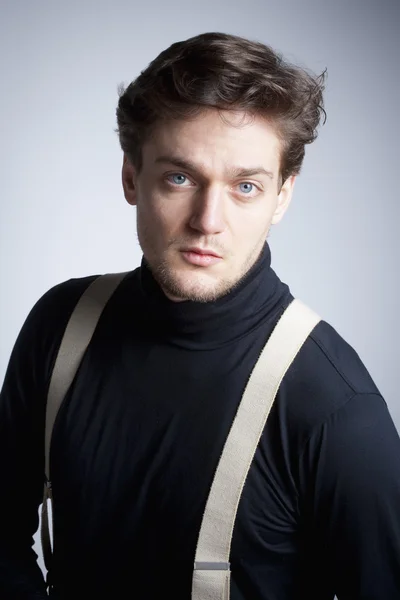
x=325, y=376
x=53, y=310
x=41, y=334
x=330, y=364
x=56, y=306
x=340, y=357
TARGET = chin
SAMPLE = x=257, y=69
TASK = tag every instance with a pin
x=195, y=287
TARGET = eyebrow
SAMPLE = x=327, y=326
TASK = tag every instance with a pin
x=233, y=172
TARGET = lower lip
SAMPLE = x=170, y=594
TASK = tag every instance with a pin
x=201, y=260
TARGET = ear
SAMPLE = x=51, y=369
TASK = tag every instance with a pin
x=129, y=181
x=284, y=198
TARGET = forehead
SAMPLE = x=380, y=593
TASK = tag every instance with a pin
x=217, y=140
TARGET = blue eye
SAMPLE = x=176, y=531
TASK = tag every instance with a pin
x=246, y=187
x=178, y=178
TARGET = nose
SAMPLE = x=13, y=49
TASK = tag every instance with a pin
x=208, y=212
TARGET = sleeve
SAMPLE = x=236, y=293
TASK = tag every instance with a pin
x=351, y=469
x=22, y=418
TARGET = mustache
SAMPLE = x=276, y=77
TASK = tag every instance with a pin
x=208, y=243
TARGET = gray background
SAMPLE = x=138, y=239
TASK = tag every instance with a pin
x=62, y=212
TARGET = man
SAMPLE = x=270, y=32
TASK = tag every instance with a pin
x=213, y=135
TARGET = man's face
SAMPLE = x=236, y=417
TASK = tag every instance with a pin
x=206, y=196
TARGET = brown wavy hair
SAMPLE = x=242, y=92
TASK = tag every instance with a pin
x=226, y=72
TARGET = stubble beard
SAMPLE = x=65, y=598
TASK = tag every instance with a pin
x=185, y=287
x=174, y=285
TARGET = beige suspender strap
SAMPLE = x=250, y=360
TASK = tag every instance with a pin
x=211, y=576
x=77, y=336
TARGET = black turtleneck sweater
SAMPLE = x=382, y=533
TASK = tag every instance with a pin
x=140, y=433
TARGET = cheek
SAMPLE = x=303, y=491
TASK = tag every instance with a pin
x=159, y=217
x=251, y=226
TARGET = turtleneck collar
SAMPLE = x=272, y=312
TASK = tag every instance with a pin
x=207, y=325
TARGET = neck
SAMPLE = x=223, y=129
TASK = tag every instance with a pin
x=198, y=325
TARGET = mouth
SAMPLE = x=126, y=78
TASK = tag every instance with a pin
x=201, y=257
x=202, y=252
